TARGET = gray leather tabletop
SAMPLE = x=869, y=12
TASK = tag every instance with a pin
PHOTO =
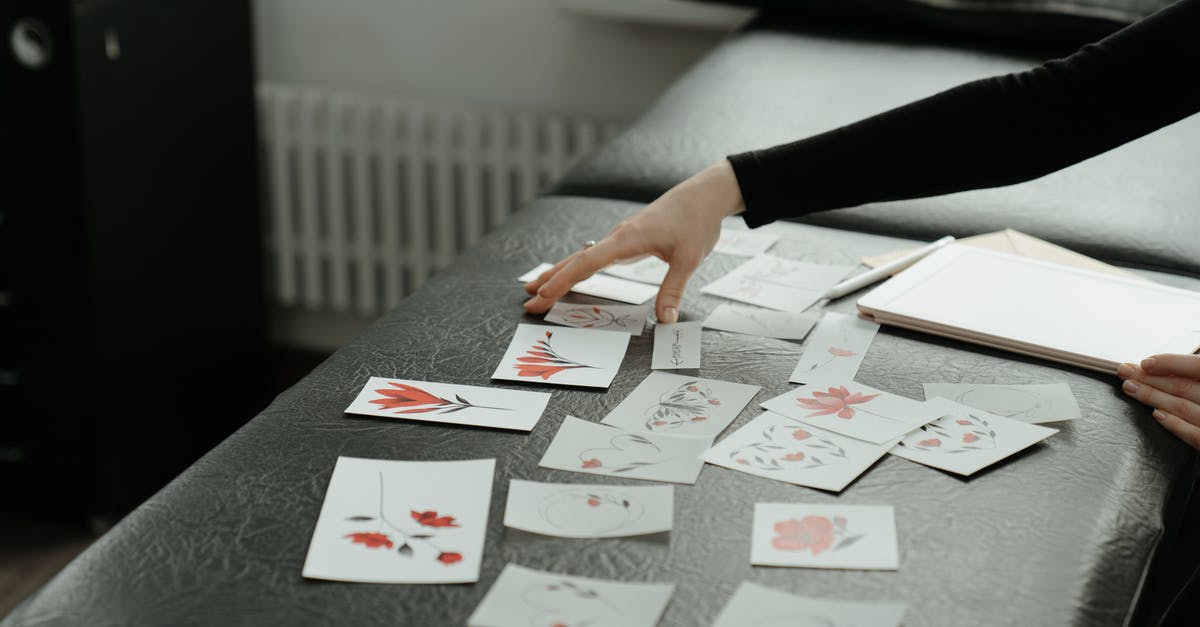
x=780, y=81
x=1063, y=533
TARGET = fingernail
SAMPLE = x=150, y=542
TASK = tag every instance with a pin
x=1130, y=387
x=1159, y=415
x=1148, y=363
x=670, y=315
x=1125, y=371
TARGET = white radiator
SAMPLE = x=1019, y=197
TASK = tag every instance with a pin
x=369, y=195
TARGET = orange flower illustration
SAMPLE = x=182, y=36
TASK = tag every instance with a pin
x=836, y=401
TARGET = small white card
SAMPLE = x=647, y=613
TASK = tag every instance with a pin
x=1037, y=403
x=522, y=597
x=835, y=349
x=777, y=283
x=777, y=447
x=602, y=286
x=676, y=346
x=596, y=449
x=402, y=522
x=744, y=243
x=577, y=510
x=785, y=325
x=853, y=409
x=860, y=537
x=450, y=403
x=965, y=440
x=562, y=356
x=760, y=606
x=650, y=270
x=677, y=405
x=629, y=319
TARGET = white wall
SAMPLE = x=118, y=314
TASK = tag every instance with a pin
x=518, y=54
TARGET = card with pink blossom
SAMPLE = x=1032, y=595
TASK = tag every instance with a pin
x=562, y=356
x=859, y=537
x=835, y=349
x=780, y=448
x=450, y=403
x=402, y=522
x=965, y=440
x=853, y=409
x=759, y=606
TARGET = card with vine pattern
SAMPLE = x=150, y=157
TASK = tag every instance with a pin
x=402, y=522
x=852, y=409
x=587, y=447
x=753, y=605
x=680, y=405
x=562, y=356
x=426, y=401
x=584, y=510
x=965, y=440
x=629, y=319
x=859, y=537
x=780, y=448
x=523, y=597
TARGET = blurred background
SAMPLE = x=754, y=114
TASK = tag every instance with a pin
x=202, y=200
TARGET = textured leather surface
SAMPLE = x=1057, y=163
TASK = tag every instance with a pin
x=1061, y=534
x=1136, y=205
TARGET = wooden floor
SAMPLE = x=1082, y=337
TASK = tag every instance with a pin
x=32, y=550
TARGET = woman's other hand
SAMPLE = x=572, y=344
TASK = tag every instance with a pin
x=1171, y=385
x=681, y=228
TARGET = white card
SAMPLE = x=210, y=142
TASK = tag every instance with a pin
x=853, y=409
x=676, y=346
x=777, y=447
x=760, y=606
x=965, y=440
x=861, y=537
x=577, y=510
x=785, y=325
x=450, y=403
x=677, y=405
x=835, y=349
x=596, y=449
x=602, y=286
x=522, y=597
x=562, y=356
x=650, y=270
x=629, y=319
x=402, y=522
x=1042, y=402
x=744, y=243
x=777, y=283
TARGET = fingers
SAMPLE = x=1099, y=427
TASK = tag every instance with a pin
x=1181, y=428
x=1182, y=387
x=1176, y=409
x=670, y=293
x=1178, y=365
x=533, y=286
x=559, y=280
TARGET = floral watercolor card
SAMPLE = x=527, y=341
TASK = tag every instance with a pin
x=1037, y=403
x=777, y=283
x=402, y=522
x=853, y=409
x=965, y=440
x=522, y=597
x=784, y=325
x=650, y=270
x=562, y=356
x=596, y=449
x=629, y=319
x=859, y=537
x=577, y=510
x=450, y=403
x=677, y=405
x=835, y=349
x=676, y=346
x=744, y=243
x=602, y=286
x=759, y=606
x=777, y=447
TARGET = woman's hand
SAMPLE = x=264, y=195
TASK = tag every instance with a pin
x=681, y=228
x=1171, y=385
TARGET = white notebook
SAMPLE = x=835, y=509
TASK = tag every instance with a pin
x=1070, y=315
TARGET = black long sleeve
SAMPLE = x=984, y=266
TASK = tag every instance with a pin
x=992, y=132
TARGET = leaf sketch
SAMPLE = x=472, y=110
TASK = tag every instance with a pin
x=689, y=403
x=567, y=604
x=805, y=451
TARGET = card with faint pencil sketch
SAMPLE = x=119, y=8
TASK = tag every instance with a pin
x=753, y=605
x=629, y=319
x=784, y=325
x=585, y=510
x=1036, y=403
x=777, y=283
x=522, y=597
x=583, y=446
x=680, y=405
x=835, y=349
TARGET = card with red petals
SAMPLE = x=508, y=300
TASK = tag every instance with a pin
x=859, y=537
x=402, y=522
x=853, y=409
x=562, y=356
x=835, y=349
x=426, y=401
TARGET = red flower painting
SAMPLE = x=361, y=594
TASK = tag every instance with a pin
x=543, y=361
x=798, y=456
x=815, y=534
x=841, y=352
x=431, y=519
x=423, y=539
x=449, y=558
x=836, y=401
x=411, y=399
x=371, y=540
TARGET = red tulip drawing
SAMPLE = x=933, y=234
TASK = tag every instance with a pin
x=413, y=400
x=543, y=361
x=837, y=401
x=428, y=518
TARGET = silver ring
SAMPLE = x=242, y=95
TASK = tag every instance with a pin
x=588, y=244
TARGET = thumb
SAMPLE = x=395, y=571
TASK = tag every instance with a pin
x=670, y=293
